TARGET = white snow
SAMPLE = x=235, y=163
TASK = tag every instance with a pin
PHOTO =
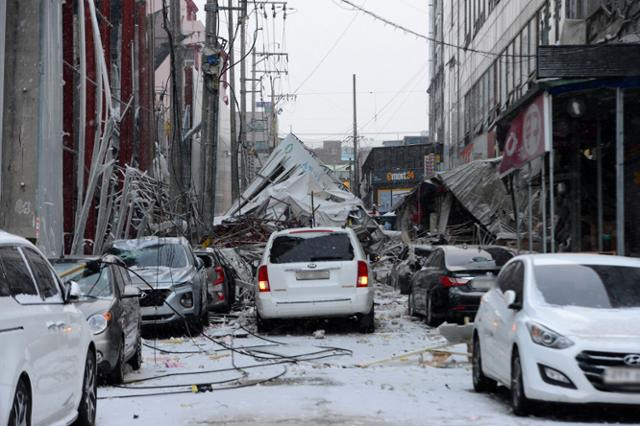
x=423, y=389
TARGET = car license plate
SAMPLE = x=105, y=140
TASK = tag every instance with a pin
x=622, y=376
x=312, y=275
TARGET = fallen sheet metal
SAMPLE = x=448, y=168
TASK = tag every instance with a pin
x=294, y=185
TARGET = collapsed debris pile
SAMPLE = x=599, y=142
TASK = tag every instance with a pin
x=293, y=189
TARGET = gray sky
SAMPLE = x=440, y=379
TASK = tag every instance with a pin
x=391, y=66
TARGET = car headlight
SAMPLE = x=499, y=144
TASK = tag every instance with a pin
x=547, y=337
x=99, y=322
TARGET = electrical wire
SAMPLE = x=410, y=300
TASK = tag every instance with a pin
x=424, y=37
x=326, y=55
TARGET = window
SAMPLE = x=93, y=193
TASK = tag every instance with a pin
x=5, y=290
x=512, y=278
x=311, y=247
x=169, y=255
x=589, y=286
x=436, y=260
x=17, y=273
x=45, y=279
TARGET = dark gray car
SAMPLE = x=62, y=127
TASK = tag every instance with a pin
x=102, y=290
x=171, y=278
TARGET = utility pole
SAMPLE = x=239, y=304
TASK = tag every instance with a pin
x=210, y=110
x=355, y=186
x=235, y=189
x=243, y=93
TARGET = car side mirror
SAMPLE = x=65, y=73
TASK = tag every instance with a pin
x=199, y=263
x=71, y=291
x=131, y=292
x=510, y=299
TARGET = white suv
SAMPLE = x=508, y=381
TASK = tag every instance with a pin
x=314, y=272
x=48, y=373
x=561, y=328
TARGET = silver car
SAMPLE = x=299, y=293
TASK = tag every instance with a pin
x=171, y=278
x=102, y=290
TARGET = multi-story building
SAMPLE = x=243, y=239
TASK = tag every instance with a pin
x=511, y=77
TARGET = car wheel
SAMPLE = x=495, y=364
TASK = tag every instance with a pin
x=21, y=408
x=481, y=383
x=431, y=318
x=263, y=325
x=519, y=402
x=366, y=323
x=411, y=305
x=87, y=408
x=117, y=374
x=136, y=361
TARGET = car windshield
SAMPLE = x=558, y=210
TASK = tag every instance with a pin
x=590, y=286
x=168, y=255
x=91, y=284
x=311, y=247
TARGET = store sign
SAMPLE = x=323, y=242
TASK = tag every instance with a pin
x=401, y=176
x=527, y=137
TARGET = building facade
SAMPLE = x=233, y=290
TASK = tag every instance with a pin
x=508, y=77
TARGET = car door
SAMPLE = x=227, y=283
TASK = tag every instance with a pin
x=488, y=320
x=44, y=351
x=501, y=319
x=66, y=318
x=423, y=280
x=130, y=307
x=506, y=317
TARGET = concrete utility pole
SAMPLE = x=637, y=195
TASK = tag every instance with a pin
x=355, y=185
x=177, y=160
x=210, y=109
x=235, y=189
x=243, y=92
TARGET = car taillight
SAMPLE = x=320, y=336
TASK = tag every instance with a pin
x=363, y=274
x=452, y=282
x=219, y=275
x=263, y=279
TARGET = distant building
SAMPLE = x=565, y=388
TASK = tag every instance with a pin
x=330, y=153
x=389, y=172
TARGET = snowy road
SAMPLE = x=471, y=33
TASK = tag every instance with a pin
x=332, y=390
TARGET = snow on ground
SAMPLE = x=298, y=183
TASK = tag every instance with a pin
x=336, y=390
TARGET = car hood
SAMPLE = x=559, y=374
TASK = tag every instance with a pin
x=160, y=276
x=93, y=306
x=573, y=321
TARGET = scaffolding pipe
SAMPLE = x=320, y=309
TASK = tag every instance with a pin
x=82, y=120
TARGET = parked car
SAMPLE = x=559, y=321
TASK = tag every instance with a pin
x=104, y=293
x=411, y=259
x=221, y=285
x=445, y=289
x=561, y=328
x=313, y=272
x=48, y=373
x=172, y=280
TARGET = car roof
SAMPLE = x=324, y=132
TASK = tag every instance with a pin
x=580, y=259
x=7, y=238
x=319, y=229
x=149, y=241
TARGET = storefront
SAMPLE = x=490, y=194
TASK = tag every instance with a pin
x=573, y=145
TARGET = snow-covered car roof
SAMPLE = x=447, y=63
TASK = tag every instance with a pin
x=581, y=258
x=7, y=238
x=148, y=241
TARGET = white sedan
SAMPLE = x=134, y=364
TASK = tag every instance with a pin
x=48, y=373
x=561, y=328
x=314, y=272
